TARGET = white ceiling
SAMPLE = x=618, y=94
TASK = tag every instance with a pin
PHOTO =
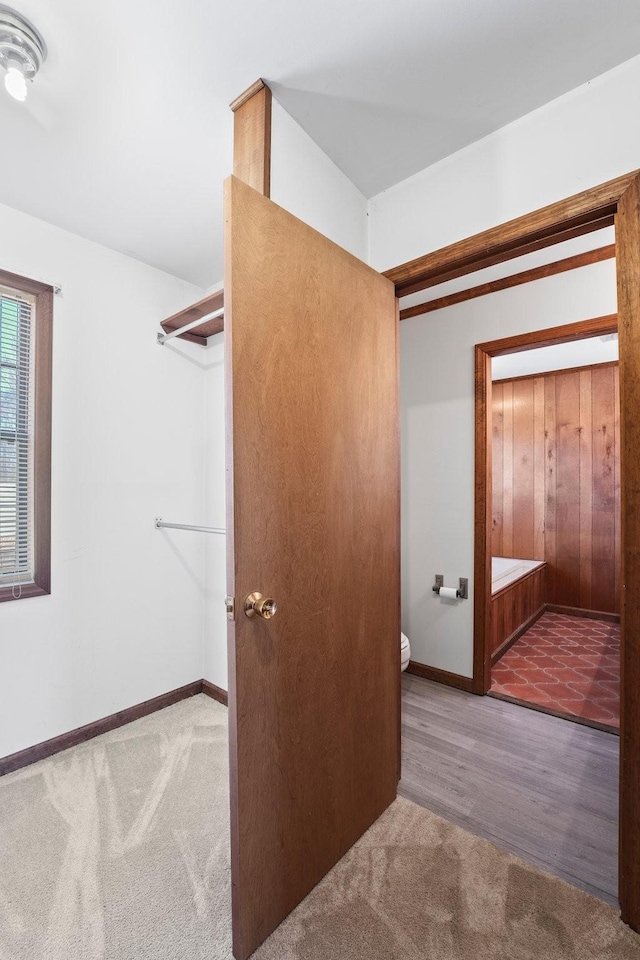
x=126, y=136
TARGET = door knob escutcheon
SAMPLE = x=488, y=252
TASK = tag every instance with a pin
x=258, y=606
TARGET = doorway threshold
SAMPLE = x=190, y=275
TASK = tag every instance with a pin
x=540, y=708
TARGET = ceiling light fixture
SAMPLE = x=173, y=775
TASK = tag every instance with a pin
x=22, y=52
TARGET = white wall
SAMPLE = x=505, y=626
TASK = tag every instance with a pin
x=139, y=430
x=557, y=356
x=215, y=636
x=575, y=142
x=308, y=184
x=437, y=404
x=125, y=619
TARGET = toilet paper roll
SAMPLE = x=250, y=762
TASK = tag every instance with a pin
x=450, y=593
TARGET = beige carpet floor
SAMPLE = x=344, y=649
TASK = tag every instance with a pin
x=118, y=850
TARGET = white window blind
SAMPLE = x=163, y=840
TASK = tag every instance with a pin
x=16, y=440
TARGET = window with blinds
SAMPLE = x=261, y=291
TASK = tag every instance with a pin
x=17, y=334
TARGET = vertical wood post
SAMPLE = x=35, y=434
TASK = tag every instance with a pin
x=252, y=137
x=628, y=269
x=483, y=518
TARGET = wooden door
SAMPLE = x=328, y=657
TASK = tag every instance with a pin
x=313, y=522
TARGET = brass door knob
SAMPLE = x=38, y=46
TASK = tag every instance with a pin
x=258, y=606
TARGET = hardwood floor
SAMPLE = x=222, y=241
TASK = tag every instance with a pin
x=542, y=787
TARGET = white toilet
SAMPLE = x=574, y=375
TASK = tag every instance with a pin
x=405, y=652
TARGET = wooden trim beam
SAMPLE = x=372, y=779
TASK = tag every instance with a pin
x=597, y=327
x=515, y=280
x=252, y=137
x=492, y=259
x=591, y=210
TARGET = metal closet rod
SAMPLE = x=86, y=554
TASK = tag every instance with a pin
x=163, y=337
x=187, y=526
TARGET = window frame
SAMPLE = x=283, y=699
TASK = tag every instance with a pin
x=43, y=294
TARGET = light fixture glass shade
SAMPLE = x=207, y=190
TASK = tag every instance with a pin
x=15, y=83
x=22, y=51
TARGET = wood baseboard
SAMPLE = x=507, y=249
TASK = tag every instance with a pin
x=580, y=612
x=502, y=649
x=216, y=693
x=81, y=734
x=440, y=676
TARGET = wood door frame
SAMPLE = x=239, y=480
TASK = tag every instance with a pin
x=616, y=203
x=583, y=213
x=483, y=510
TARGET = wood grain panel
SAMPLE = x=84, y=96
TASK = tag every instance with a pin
x=497, y=467
x=618, y=494
x=550, y=490
x=514, y=609
x=314, y=482
x=507, y=465
x=556, y=481
x=523, y=469
x=586, y=492
x=568, y=489
x=604, y=498
x=252, y=137
x=538, y=469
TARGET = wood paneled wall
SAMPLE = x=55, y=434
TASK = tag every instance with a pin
x=556, y=481
x=514, y=610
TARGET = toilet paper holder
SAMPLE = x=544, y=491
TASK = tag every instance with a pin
x=462, y=593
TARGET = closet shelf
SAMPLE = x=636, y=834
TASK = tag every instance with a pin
x=198, y=334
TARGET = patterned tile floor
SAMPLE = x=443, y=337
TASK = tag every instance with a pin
x=569, y=665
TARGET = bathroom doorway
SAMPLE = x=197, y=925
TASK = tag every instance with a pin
x=555, y=532
x=616, y=203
